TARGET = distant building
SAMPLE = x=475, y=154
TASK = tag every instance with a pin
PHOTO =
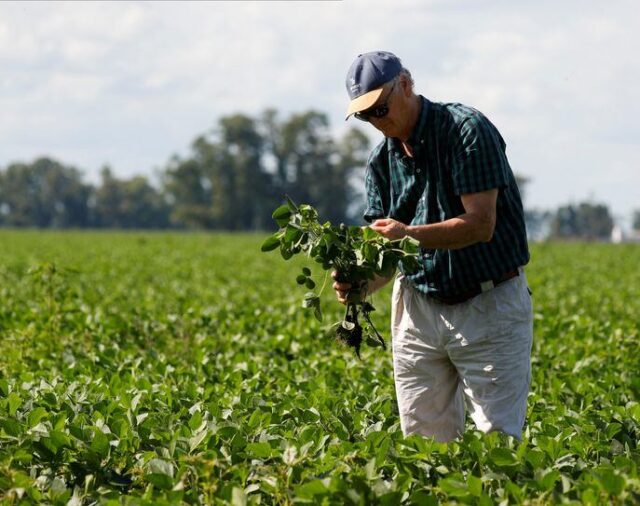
x=617, y=236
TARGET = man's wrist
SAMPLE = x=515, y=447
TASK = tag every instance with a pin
x=411, y=231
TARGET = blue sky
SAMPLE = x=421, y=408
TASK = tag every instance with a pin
x=130, y=84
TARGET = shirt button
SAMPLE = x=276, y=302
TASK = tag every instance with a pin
x=418, y=171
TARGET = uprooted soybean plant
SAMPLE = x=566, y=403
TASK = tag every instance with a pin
x=357, y=254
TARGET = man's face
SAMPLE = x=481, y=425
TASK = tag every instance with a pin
x=392, y=124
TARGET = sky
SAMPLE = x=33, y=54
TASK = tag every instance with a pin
x=129, y=84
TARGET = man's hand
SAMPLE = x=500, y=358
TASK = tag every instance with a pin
x=344, y=290
x=390, y=228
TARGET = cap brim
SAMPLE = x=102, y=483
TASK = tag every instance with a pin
x=363, y=102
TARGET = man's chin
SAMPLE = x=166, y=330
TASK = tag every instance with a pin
x=387, y=132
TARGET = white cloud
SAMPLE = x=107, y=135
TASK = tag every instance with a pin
x=132, y=83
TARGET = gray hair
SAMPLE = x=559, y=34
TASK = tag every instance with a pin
x=405, y=72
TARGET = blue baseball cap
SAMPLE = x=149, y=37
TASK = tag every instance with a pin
x=367, y=76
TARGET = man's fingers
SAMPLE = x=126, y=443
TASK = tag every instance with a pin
x=341, y=287
x=382, y=230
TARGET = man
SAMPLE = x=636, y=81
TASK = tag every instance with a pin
x=462, y=325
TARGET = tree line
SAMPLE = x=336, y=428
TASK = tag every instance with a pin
x=231, y=179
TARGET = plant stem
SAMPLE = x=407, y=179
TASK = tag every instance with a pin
x=326, y=275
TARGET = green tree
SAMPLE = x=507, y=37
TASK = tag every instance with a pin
x=128, y=203
x=233, y=177
x=635, y=223
x=310, y=166
x=248, y=185
x=583, y=221
x=348, y=181
x=188, y=190
x=43, y=194
x=222, y=183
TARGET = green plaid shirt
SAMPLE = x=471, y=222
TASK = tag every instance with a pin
x=456, y=150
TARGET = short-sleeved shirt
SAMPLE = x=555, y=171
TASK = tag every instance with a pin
x=456, y=150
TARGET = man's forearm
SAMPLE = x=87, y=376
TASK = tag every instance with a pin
x=455, y=233
x=475, y=225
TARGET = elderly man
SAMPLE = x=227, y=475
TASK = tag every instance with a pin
x=462, y=325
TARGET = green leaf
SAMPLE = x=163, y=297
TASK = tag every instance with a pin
x=292, y=234
x=4, y=387
x=22, y=455
x=355, y=231
x=474, y=484
x=310, y=300
x=259, y=450
x=254, y=419
x=271, y=243
x=310, y=284
x=300, y=279
x=311, y=489
x=285, y=252
x=56, y=440
x=198, y=438
x=611, y=482
x=11, y=427
x=372, y=342
x=410, y=245
x=36, y=415
x=100, y=443
x=370, y=253
x=282, y=215
x=369, y=234
x=612, y=429
x=535, y=457
x=410, y=264
x=160, y=474
x=238, y=497
x=306, y=271
x=161, y=481
x=502, y=457
x=454, y=487
x=195, y=421
x=387, y=262
x=423, y=498
x=548, y=479
x=282, y=212
x=317, y=312
x=308, y=212
x=14, y=403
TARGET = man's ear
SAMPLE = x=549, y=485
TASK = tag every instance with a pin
x=405, y=85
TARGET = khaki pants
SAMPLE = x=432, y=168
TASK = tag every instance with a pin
x=477, y=352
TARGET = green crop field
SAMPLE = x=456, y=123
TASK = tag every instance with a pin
x=142, y=368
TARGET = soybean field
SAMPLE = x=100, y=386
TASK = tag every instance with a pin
x=169, y=368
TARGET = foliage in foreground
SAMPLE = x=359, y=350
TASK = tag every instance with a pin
x=168, y=369
x=356, y=254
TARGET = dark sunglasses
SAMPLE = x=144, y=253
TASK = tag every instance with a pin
x=378, y=111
